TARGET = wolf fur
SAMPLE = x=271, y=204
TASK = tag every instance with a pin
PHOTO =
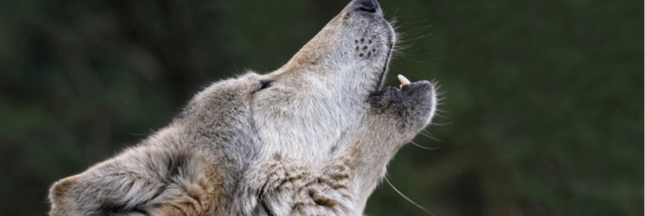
x=311, y=138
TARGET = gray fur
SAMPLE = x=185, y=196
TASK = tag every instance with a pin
x=311, y=138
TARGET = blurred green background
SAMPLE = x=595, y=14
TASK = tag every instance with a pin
x=543, y=99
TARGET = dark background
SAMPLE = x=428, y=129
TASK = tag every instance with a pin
x=543, y=112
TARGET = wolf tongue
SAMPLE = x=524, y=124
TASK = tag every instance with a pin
x=405, y=82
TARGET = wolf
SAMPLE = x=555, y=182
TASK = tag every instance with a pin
x=313, y=137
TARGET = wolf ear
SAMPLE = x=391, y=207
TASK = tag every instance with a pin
x=141, y=180
x=57, y=196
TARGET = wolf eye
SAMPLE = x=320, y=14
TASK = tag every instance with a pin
x=264, y=84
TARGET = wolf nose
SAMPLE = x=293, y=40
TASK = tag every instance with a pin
x=370, y=6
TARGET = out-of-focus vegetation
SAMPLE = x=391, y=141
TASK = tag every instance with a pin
x=543, y=99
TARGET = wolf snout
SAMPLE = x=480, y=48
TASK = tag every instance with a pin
x=370, y=6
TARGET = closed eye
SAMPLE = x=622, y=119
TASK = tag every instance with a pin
x=264, y=84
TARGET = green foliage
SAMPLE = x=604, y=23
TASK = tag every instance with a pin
x=543, y=109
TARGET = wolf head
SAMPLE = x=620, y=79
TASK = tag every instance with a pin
x=329, y=103
x=311, y=138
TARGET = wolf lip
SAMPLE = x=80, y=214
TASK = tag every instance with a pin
x=381, y=82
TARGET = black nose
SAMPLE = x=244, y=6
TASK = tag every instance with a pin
x=366, y=5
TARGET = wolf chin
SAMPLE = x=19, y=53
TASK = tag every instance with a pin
x=310, y=138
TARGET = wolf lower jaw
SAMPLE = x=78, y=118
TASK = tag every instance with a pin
x=413, y=106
